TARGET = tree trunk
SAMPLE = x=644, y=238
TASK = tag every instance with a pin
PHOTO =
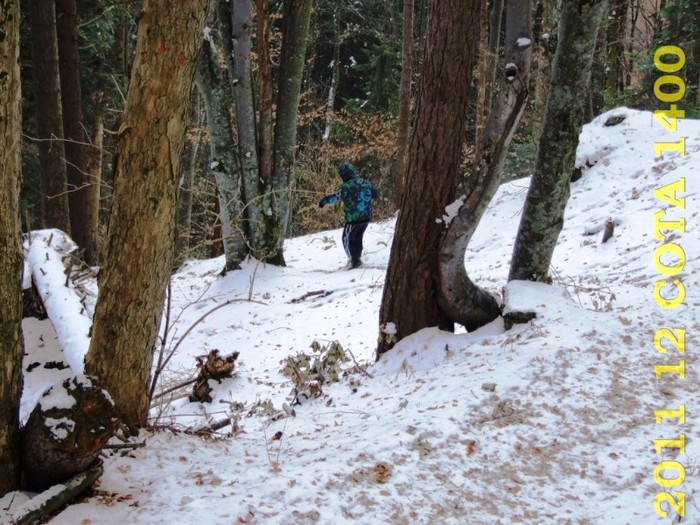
x=11, y=341
x=139, y=251
x=335, y=78
x=93, y=166
x=616, y=25
x=463, y=301
x=240, y=25
x=265, y=102
x=186, y=185
x=409, y=301
x=404, y=99
x=58, y=442
x=71, y=104
x=543, y=214
x=212, y=81
x=296, y=18
x=49, y=116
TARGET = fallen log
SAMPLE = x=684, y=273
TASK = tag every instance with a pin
x=66, y=431
x=57, y=497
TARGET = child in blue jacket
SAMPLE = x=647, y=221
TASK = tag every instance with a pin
x=357, y=195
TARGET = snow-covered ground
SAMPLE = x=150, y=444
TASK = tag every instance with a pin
x=551, y=422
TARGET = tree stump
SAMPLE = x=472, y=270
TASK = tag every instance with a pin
x=66, y=431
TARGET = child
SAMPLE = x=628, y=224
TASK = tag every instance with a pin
x=357, y=195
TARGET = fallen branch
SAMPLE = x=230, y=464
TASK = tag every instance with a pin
x=319, y=293
x=57, y=497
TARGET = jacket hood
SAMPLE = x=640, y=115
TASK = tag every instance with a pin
x=347, y=171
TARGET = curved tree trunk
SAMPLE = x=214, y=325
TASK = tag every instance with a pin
x=11, y=342
x=409, y=301
x=139, y=251
x=463, y=301
x=49, y=116
x=212, y=80
x=543, y=214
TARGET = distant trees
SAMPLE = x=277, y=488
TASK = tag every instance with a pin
x=49, y=115
x=137, y=267
x=11, y=341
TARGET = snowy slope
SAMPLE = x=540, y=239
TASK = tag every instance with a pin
x=551, y=422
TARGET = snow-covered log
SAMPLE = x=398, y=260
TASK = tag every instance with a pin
x=70, y=318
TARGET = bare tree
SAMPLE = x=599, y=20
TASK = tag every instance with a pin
x=139, y=251
x=543, y=214
x=49, y=115
x=83, y=220
x=409, y=302
x=11, y=342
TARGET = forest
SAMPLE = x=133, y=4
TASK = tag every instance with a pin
x=154, y=137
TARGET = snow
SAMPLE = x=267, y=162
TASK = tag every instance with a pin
x=451, y=211
x=550, y=422
x=524, y=42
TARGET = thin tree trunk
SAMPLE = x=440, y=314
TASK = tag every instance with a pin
x=543, y=214
x=241, y=25
x=335, y=77
x=409, y=301
x=71, y=104
x=404, y=99
x=297, y=15
x=93, y=166
x=11, y=341
x=186, y=184
x=463, y=301
x=212, y=80
x=139, y=253
x=49, y=116
x=266, y=98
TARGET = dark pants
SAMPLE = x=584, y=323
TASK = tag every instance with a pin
x=352, y=241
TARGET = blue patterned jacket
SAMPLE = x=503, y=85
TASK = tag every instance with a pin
x=357, y=195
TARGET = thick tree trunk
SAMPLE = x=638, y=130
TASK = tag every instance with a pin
x=404, y=100
x=616, y=25
x=297, y=15
x=11, y=341
x=71, y=104
x=213, y=83
x=59, y=441
x=49, y=116
x=463, y=301
x=410, y=302
x=139, y=251
x=543, y=214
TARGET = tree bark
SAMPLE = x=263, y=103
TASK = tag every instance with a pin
x=139, y=251
x=78, y=179
x=404, y=99
x=296, y=18
x=49, y=116
x=58, y=442
x=93, y=165
x=409, y=301
x=462, y=300
x=212, y=80
x=265, y=103
x=11, y=341
x=543, y=214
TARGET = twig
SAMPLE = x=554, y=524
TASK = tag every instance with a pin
x=362, y=369
x=319, y=293
x=125, y=446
